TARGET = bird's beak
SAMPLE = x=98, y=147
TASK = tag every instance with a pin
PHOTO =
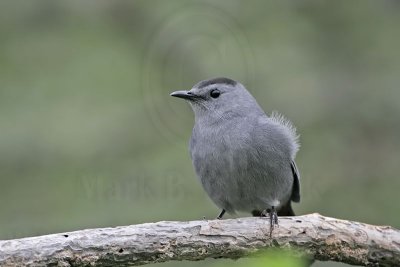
x=183, y=94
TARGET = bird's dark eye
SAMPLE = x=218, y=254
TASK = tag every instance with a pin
x=215, y=93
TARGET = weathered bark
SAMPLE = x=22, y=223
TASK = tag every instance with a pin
x=319, y=237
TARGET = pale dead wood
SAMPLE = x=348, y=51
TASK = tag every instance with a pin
x=319, y=237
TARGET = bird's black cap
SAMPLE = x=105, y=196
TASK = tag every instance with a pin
x=216, y=81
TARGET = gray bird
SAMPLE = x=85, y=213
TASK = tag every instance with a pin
x=243, y=158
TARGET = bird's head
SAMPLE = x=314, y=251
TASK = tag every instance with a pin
x=219, y=98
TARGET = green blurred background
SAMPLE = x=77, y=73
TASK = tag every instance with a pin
x=89, y=136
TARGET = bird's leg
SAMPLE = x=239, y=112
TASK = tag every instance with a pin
x=221, y=214
x=273, y=218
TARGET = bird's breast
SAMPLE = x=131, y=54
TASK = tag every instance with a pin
x=238, y=170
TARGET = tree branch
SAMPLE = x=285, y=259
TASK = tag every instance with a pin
x=318, y=237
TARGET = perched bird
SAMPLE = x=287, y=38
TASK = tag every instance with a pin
x=243, y=158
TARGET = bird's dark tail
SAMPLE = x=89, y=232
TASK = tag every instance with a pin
x=286, y=210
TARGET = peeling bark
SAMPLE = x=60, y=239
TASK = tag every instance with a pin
x=313, y=235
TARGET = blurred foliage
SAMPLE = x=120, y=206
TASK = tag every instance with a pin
x=89, y=136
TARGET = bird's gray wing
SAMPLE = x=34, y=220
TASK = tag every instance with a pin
x=296, y=183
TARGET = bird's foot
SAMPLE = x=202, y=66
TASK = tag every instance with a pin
x=273, y=218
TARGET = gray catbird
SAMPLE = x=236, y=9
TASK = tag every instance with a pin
x=243, y=158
